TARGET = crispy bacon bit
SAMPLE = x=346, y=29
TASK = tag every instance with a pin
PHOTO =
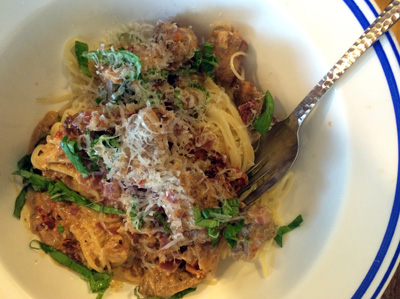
x=248, y=112
x=249, y=100
x=171, y=265
x=240, y=183
x=195, y=270
x=72, y=248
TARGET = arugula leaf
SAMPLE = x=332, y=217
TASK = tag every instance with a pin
x=231, y=232
x=163, y=222
x=126, y=63
x=38, y=182
x=263, y=122
x=20, y=202
x=287, y=228
x=70, y=148
x=83, y=62
x=98, y=282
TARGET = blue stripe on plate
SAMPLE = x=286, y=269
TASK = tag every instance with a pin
x=387, y=239
x=397, y=252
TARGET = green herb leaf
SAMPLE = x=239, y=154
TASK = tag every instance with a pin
x=98, y=282
x=25, y=163
x=287, y=228
x=126, y=63
x=230, y=206
x=201, y=87
x=60, y=228
x=20, y=202
x=183, y=293
x=107, y=141
x=213, y=217
x=214, y=235
x=60, y=192
x=70, y=148
x=263, y=123
x=231, y=232
x=38, y=182
x=163, y=222
x=207, y=61
x=83, y=62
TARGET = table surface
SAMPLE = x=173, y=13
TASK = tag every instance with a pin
x=393, y=289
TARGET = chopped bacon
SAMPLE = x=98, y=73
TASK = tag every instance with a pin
x=195, y=270
x=240, y=183
x=249, y=100
x=171, y=265
x=248, y=111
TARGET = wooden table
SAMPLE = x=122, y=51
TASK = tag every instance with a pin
x=393, y=290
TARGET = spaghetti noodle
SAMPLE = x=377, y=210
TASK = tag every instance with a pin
x=143, y=164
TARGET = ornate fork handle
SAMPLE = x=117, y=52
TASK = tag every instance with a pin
x=278, y=149
x=382, y=24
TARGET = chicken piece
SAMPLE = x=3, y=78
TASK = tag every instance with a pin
x=259, y=228
x=249, y=100
x=227, y=43
x=181, y=42
x=172, y=46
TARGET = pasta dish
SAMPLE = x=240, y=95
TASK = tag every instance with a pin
x=135, y=179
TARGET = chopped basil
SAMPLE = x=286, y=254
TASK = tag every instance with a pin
x=20, y=202
x=106, y=140
x=203, y=61
x=98, y=282
x=178, y=102
x=60, y=192
x=207, y=61
x=214, y=233
x=213, y=217
x=126, y=63
x=163, y=222
x=25, y=163
x=38, y=182
x=287, y=228
x=70, y=148
x=183, y=293
x=231, y=232
x=83, y=62
x=263, y=123
x=60, y=228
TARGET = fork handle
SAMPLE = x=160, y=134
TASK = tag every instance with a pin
x=386, y=19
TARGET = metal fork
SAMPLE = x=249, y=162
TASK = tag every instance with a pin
x=279, y=147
